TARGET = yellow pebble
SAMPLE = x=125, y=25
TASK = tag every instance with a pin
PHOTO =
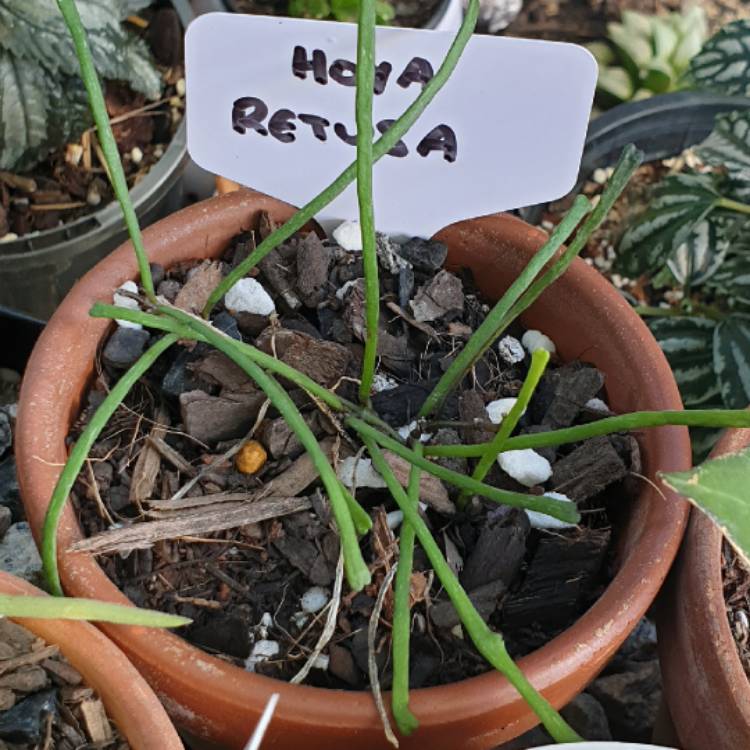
x=251, y=458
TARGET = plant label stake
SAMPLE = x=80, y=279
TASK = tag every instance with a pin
x=270, y=104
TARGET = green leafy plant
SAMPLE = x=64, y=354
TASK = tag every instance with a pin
x=339, y=10
x=647, y=55
x=42, y=102
x=359, y=418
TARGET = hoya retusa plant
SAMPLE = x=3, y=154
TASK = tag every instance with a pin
x=358, y=418
x=42, y=102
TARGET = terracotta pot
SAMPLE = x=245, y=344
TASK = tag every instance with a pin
x=705, y=686
x=129, y=701
x=582, y=313
x=603, y=746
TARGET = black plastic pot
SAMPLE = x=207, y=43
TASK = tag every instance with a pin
x=662, y=126
x=38, y=270
x=18, y=334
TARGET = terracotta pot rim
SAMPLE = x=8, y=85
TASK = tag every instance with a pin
x=136, y=710
x=590, y=640
x=705, y=685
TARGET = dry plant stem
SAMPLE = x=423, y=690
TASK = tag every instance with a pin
x=493, y=324
x=81, y=451
x=550, y=507
x=406, y=722
x=67, y=608
x=634, y=421
x=382, y=146
x=489, y=644
x=365, y=84
x=357, y=572
x=330, y=625
x=106, y=138
x=539, y=361
x=372, y=664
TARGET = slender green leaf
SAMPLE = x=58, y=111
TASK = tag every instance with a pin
x=732, y=360
x=66, y=608
x=679, y=204
x=719, y=487
x=723, y=65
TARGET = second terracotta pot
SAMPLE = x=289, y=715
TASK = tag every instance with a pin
x=220, y=703
x=705, y=686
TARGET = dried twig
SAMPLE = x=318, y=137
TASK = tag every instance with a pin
x=372, y=664
x=170, y=454
x=212, y=518
x=330, y=625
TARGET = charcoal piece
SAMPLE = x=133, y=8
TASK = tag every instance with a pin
x=395, y=353
x=405, y=285
x=485, y=598
x=399, y=406
x=561, y=577
x=573, y=386
x=227, y=323
x=227, y=634
x=124, y=347
x=426, y=256
x=169, y=289
x=217, y=369
x=588, y=470
x=250, y=324
x=499, y=550
x=303, y=555
x=214, y=418
x=25, y=721
x=158, y=273
x=179, y=379
x=341, y=664
x=301, y=324
x=313, y=261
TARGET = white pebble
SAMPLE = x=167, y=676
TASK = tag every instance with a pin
x=380, y=382
x=511, y=350
x=543, y=521
x=136, y=155
x=314, y=599
x=525, y=466
x=534, y=340
x=9, y=237
x=321, y=662
x=129, y=303
x=600, y=176
x=349, y=236
x=342, y=291
x=596, y=404
x=247, y=295
x=394, y=519
x=407, y=430
x=180, y=87
x=366, y=476
x=262, y=651
x=498, y=410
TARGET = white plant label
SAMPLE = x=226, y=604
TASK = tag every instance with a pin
x=270, y=104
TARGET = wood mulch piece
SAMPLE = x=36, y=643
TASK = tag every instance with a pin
x=252, y=559
x=44, y=704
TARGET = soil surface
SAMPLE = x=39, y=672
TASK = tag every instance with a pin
x=186, y=518
x=44, y=704
x=737, y=598
x=72, y=182
x=410, y=13
x=586, y=20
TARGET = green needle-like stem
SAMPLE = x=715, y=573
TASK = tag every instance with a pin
x=401, y=633
x=550, y=507
x=365, y=84
x=637, y=420
x=382, y=146
x=539, y=360
x=106, y=138
x=492, y=325
x=66, y=608
x=357, y=572
x=489, y=644
x=81, y=450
